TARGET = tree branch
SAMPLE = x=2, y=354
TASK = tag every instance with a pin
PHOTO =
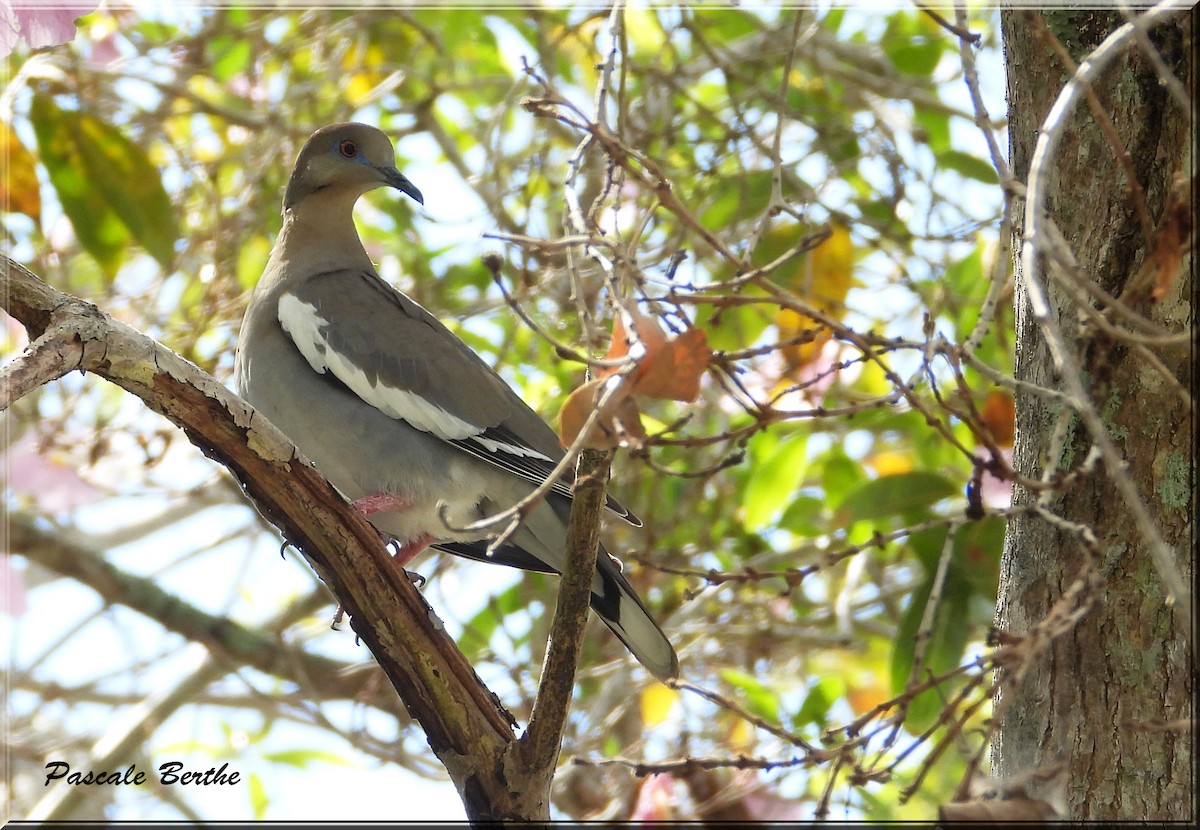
x=47, y=358
x=321, y=676
x=533, y=758
x=465, y=724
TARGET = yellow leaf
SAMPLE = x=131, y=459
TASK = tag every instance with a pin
x=358, y=57
x=644, y=31
x=741, y=736
x=793, y=324
x=365, y=75
x=822, y=278
x=18, y=182
x=657, y=703
x=830, y=270
x=358, y=89
x=890, y=463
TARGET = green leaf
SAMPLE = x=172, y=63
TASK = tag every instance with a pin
x=975, y=556
x=915, y=57
x=131, y=184
x=817, y=703
x=760, y=699
x=736, y=326
x=879, y=210
x=732, y=24
x=965, y=279
x=779, y=468
x=303, y=758
x=928, y=545
x=936, y=128
x=895, y=495
x=259, y=800
x=947, y=642
x=977, y=550
x=97, y=226
x=107, y=186
x=251, y=260
x=839, y=475
x=478, y=631
x=968, y=165
x=737, y=199
x=229, y=55
x=832, y=21
x=805, y=516
x=908, y=45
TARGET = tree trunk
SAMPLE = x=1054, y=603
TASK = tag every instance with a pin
x=1110, y=699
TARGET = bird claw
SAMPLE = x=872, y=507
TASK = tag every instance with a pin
x=408, y=551
x=339, y=613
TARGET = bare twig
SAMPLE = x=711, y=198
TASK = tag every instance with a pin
x=1040, y=170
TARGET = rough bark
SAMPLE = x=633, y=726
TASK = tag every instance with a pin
x=1111, y=699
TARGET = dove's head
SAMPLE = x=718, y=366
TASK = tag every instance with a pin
x=346, y=159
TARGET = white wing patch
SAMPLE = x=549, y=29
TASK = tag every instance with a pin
x=303, y=324
x=492, y=445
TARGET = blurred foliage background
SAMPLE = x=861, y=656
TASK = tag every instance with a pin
x=807, y=187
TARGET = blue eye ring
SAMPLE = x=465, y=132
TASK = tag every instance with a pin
x=347, y=148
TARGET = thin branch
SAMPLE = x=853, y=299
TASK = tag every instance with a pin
x=47, y=358
x=1165, y=75
x=536, y=753
x=236, y=643
x=961, y=31
x=1040, y=170
x=1133, y=186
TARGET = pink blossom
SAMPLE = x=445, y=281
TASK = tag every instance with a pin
x=12, y=583
x=656, y=799
x=40, y=22
x=54, y=485
x=995, y=493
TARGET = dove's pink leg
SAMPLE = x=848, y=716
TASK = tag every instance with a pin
x=386, y=503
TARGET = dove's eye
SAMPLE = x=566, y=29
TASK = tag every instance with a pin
x=348, y=149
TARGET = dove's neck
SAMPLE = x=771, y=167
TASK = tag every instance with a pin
x=318, y=235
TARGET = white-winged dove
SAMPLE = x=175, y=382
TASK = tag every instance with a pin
x=393, y=408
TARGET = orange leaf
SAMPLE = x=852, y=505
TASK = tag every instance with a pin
x=667, y=367
x=648, y=334
x=863, y=699
x=999, y=415
x=623, y=421
x=674, y=371
x=1170, y=238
